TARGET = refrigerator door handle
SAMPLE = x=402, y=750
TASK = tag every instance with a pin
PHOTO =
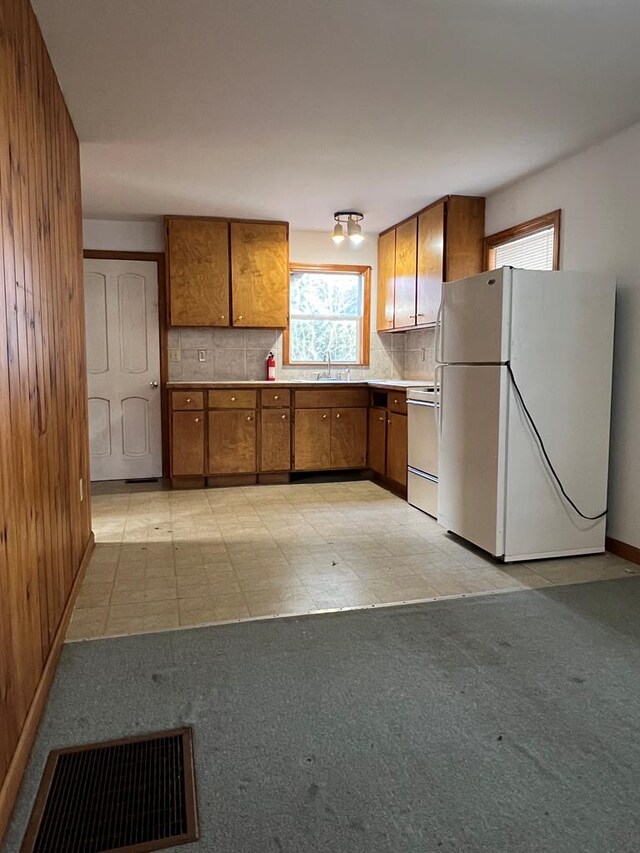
x=438, y=341
x=437, y=409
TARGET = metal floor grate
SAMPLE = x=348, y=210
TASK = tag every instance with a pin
x=136, y=794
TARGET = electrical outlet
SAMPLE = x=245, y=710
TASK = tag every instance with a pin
x=202, y=355
x=174, y=354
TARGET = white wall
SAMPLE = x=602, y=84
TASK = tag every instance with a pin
x=598, y=191
x=118, y=236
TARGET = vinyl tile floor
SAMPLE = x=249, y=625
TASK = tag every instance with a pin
x=169, y=559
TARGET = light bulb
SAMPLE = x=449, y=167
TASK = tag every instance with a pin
x=338, y=233
x=354, y=231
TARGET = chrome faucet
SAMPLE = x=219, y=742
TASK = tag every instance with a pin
x=327, y=358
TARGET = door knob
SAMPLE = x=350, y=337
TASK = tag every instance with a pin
x=154, y=384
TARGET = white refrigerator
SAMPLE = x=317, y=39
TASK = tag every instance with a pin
x=524, y=369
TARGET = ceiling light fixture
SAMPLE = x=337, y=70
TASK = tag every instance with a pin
x=352, y=219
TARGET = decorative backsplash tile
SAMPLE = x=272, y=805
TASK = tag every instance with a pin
x=240, y=354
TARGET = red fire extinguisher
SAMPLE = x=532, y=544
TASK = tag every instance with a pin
x=271, y=367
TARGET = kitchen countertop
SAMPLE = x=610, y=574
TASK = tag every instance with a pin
x=385, y=384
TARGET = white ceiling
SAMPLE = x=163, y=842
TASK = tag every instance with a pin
x=292, y=109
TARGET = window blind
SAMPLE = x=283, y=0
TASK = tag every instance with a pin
x=532, y=252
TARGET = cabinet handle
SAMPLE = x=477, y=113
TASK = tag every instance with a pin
x=196, y=420
x=419, y=315
x=188, y=399
x=233, y=399
x=412, y=316
x=284, y=417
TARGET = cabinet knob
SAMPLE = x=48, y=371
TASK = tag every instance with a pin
x=221, y=317
x=233, y=399
x=323, y=417
x=381, y=418
x=196, y=420
x=240, y=317
x=249, y=417
x=276, y=397
x=188, y=399
x=338, y=415
x=395, y=402
x=284, y=417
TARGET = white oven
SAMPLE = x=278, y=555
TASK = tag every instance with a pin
x=422, y=474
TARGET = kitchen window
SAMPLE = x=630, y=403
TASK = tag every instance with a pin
x=532, y=245
x=329, y=310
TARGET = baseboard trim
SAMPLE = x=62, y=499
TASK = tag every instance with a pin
x=11, y=785
x=621, y=549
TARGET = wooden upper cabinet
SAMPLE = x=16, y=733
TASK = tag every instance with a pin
x=430, y=263
x=441, y=243
x=198, y=258
x=405, y=283
x=260, y=274
x=464, y=237
x=386, y=280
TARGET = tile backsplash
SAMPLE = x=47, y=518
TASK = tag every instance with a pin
x=240, y=354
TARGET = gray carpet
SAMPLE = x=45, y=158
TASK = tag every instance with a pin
x=500, y=723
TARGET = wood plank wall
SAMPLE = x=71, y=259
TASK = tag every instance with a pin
x=45, y=527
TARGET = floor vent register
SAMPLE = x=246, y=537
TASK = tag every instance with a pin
x=135, y=795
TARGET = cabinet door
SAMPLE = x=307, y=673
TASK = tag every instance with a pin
x=406, y=260
x=275, y=440
x=465, y=234
x=232, y=441
x=430, y=264
x=260, y=274
x=198, y=256
x=397, y=448
x=187, y=443
x=312, y=439
x=377, y=440
x=386, y=280
x=348, y=438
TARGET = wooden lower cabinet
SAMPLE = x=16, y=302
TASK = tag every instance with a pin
x=187, y=444
x=275, y=440
x=232, y=442
x=397, y=448
x=377, y=441
x=348, y=438
x=312, y=439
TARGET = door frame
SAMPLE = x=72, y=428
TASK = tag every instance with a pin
x=159, y=259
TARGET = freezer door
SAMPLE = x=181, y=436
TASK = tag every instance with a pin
x=475, y=319
x=473, y=410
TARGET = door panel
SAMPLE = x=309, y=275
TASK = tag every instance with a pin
x=232, y=442
x=275, y=440
x=348, y=438
x=187, y=444
x=198, y=255
x=312, y=439
x=260, y=274
x=397, y=448
x=476, y=315
x=386, y=280
x=430, y=264
x=472, y=453
x=123, y=362
x=377, y=440
x=405, y=287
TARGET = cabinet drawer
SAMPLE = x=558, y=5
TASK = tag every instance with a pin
x=280, y=398
x=244, y=398
x=397, y=402
x=321, y=398
x=187, y=400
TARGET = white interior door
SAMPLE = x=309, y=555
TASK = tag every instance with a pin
x=123, y=364
x=472, y=450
